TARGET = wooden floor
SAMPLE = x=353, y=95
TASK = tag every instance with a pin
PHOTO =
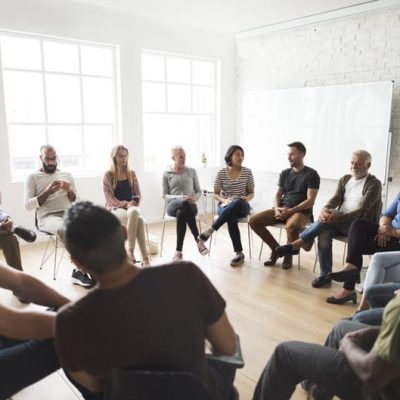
x=265, y=305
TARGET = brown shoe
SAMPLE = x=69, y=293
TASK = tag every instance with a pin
x=272, y=259
x=287, y=262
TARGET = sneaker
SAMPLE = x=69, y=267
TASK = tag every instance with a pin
x=204, y=236
x=79, y=278
x=178, y=256
x=202, y=248
x=25, y=234
x=237, y=260
x=321, y=281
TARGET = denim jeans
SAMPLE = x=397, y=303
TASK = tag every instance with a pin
x=23, y=363
x=230, y=214
x=325, y=233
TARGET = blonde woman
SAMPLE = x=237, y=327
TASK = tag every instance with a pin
x=122, y=195
x=181, y=190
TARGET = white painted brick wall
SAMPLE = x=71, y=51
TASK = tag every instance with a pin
x=354, y=49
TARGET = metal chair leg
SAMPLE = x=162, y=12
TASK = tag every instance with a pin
x=162, y=239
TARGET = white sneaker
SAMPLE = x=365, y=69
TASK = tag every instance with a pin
x=178, y=256
x=202, y=248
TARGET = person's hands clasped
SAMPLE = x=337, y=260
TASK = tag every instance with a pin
x=383, y=235
x=190, y=198
x=7, y=224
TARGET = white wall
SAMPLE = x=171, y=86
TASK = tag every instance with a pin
x=353, y=49
x=71, y=20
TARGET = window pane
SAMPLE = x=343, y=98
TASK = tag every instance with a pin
x=203, y=100
x=178, y=70
x=23, y=96
x=18, y=52
x=97, y=61
x=203, y=72
x=25, y=141
x=66, y=139
x=98, y=144
x=98, y=100
x=153, y=67
x=153, y=97
x=179, y=98
x=63, y=99
x=60, y=57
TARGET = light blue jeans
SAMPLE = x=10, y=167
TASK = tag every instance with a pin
x=325, y=233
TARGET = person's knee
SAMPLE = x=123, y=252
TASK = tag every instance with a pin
x=133, y=211
x=293, y=229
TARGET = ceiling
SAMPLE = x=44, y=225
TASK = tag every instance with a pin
x=227, y=16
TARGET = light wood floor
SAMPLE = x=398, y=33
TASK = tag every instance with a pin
x=265, y=305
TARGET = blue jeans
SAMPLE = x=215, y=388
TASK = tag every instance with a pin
x=325, y=233
x=377, y=297
x=230, y=214
x=23, y=363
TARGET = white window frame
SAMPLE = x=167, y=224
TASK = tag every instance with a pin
x=212, y=159
x=115, y=77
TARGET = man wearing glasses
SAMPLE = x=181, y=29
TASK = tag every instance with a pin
x=50, y=192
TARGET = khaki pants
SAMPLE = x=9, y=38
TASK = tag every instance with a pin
x=133, y=221
x=294, y=225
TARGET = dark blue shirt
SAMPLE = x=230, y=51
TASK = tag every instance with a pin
x=123, y=191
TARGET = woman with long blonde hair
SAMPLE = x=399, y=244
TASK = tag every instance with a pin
x=122, y=195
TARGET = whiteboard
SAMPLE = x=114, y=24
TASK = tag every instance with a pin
x=331, y=121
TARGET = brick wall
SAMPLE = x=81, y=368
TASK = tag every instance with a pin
x=359, y=48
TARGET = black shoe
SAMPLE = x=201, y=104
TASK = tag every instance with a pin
x=271, y=260
x=318, y=393
x=287, y=262
x=321, y=281
x=350, y=297
x=25, y=234
x=286, y=250
x=81, y=279
x=346, y=275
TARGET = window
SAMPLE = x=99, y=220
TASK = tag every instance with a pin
x=61, y=92
x=179, y=108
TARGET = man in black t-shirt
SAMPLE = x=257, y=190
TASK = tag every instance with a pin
x=297, y=190
x=155, y=318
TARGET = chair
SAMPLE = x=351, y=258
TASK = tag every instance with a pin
x=281, y=227
x=55, y=243
x=343, y=239
x=244, y=220
x=167, y=218
x=154, y=384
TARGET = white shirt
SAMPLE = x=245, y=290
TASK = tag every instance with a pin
x=37, y=182
x=353, y=194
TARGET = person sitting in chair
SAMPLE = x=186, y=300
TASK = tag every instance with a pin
x=154, y=318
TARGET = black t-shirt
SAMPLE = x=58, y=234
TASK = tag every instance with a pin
x=296, y=184
x=157, y=320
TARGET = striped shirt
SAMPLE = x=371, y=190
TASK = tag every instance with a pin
x=234, y=188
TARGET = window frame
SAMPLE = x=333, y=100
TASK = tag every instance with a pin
x=115, y=126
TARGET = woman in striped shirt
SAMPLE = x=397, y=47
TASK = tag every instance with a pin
x=122, y=195
x=233, y=189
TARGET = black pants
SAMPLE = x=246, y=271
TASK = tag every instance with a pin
x=293, y=362
x=361, y=242
x=185, y=213
x=23, y=363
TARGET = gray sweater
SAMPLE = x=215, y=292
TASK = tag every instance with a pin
x=175, y=186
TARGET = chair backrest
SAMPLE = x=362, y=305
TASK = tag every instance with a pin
x=137, y=384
